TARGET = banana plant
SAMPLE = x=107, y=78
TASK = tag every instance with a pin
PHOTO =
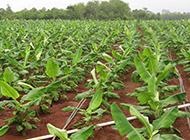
x=148, y=131
x=105, y=82
x=151, y=94
x=184, y=58
x=21, y=116
x=41, y=95
x=92, y=112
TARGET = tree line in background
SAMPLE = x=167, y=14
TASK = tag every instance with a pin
x=95, y=10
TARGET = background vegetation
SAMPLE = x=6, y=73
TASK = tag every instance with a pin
x=104, y=10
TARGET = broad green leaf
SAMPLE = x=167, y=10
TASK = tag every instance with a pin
x=123, y=124
x=108, y=58
x=77, y=56
x=111, y=35
x=96, y=101
x=117, y=55
x=152, y=63
x=118, y=85
x=144, y=74
x=121, y=65
x=34, y=93
x=139, y=108
x=83, y=95
x=103, y=75
x=94, y=46
x=152, y=87
x=135, y=135
x=11, y=61
x=52, y=68
x=83, y=134
x=68, y=108
x=105, y=103
x=127, y=51
x=171, y=88
x=176, y=98
x=94, y=76
x=99, y=111
x=26, y=56
x=53, y=86
x=38, y=53
x=144, y=120
x=103, y=65
x=164, y=73
x=102, y=43
x=121, y=121
x=166, y=137
x=187, y=70
x=141, y=89
x=3, y=130
x=7, y=90
x=183, y=114
x=8, y=75
x=167, y=119
x=27, y=125
x=111, y=94
x=25, y=85
x=61, y=133
x=144, y=97
x=157, y=137
x=19, y=128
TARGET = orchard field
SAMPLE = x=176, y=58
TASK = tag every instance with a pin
x=99, y=70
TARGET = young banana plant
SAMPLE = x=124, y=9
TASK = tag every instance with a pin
x=22, y=114
x=151, y=94
x=92, y=112
x=151, y=131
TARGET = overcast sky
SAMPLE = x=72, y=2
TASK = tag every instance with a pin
x=152, y=5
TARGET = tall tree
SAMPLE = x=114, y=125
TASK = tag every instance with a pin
x=121, y=9
x=76, y=11
x=92, y=9
x=9, y=12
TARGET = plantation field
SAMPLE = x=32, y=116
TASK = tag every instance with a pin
x=115, y=69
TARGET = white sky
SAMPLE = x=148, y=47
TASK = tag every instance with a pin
x=152, y=5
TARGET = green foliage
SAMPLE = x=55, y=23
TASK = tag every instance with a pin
x=93, y=111
x=52, y=68
x=145, y=75
x=3, y=130
x=57, y=132
x=7, y=90
x=111, y=10
x=152, y=131
x=34, y=94
x=77, y=56
x=121, y=122
x=8, y=75
x=51, y=58
x=83, y=134
x=96, y=101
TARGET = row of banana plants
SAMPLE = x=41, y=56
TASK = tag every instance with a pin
x=43, y=60
x=40, y=64
x=154, y=69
